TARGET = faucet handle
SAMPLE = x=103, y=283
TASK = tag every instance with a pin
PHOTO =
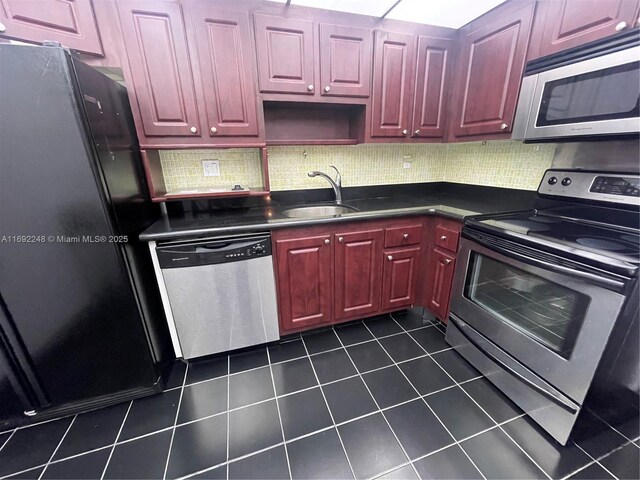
x=338, y=176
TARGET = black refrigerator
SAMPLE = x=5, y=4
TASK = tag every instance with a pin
x=80, y=318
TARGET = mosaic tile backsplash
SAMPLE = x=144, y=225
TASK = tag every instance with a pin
x=504, y=163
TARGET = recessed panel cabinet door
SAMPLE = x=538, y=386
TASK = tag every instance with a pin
x=431, y=97
x=490, y=70
x=394, y=56
x=399, y=277
x=224, y=58
x=284, y=49
x=70, y=22
x=440, y=268
x=304, y=281
x=346, y=55
x=357, y=273
x=569, y=23
x=160, y=67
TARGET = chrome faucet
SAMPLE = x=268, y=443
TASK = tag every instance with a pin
x=335, y=184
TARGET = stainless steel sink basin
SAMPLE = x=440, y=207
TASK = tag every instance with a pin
x=318, y=211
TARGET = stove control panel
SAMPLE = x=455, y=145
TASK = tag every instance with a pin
x=601, y=187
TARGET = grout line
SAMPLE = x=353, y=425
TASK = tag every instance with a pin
x=485, y=412
x=597, y=460
x=23, y=471
x=58, y=446
x=334, y=426
x=273, y=384
x=431, y=409
x=8, y=438
x=115, y=441
x=79, y=454
x=610, y=426
x=584, y=467
x=175, y=421
x=129, y=440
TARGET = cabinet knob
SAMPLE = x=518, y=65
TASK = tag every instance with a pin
x=443, y=237
x=405, y=236
x=193, y=130
x=310, y=88
x=214, y=130
x=417, y=132
x=327, y=241
x=341, y=239
x=327, y=88
x=621, y=26
x=447, y=261
x=2, y=27
x=405, y=131
x=503, y=126
x=389, y=257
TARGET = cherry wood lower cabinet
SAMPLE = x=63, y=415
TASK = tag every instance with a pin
x=304, y=278
x=440, y=265
x=337, y=273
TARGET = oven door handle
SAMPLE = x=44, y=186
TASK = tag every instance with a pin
x=602, y=279
x=547, y=392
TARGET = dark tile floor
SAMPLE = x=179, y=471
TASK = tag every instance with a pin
x=383, y=398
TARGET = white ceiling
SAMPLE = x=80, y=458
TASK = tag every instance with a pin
x=444, y=13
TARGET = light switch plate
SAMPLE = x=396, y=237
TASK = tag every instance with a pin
x=406, y=165
x=211, y=168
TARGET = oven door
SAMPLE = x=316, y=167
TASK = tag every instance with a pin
x=552, y=318
x=598, y=96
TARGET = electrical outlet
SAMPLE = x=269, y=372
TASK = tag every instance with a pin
x=406, y=165
x=211, y=168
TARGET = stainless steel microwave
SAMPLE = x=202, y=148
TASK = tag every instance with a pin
x=591, y=90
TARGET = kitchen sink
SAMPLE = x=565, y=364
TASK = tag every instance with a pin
x=318, y=211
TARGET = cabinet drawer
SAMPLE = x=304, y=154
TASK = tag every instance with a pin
x=404, y=235
x=447, y=238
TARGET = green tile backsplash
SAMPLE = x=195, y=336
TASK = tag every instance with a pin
x=504, y=163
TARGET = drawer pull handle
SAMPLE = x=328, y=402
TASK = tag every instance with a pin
x=341, y=239
x=390, y=257
x=443, y=237
x=447, y=261
x=405, y=236
x=327, y=241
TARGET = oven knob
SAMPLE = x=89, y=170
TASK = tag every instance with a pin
x=259, y=249
x=566, y=181
x=553, y=181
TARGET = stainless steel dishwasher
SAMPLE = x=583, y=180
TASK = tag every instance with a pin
x=221, y=292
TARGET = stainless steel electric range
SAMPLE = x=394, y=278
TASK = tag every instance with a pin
x=538, y=294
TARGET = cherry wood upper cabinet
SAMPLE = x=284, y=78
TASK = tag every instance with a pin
x=358, y=275
x=399, y=277
x=562, y=24
x=345, y=61
x=222, y=46
x=431, y=98
x=393, y=69
x=284, y=48
x=160, y=68
x=489, y=71
x=70, y=22
x=303, y=269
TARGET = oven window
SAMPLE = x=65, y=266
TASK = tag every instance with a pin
x=549, y=313
x=611, y=93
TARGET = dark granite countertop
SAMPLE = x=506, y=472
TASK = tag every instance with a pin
x=444, y=199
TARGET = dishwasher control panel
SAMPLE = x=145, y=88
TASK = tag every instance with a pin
x=212, y=252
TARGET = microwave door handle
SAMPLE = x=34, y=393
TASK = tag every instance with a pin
x=539, y=388
x=601, y=279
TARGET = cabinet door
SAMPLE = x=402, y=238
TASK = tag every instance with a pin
x=432, y=87
x=159, y=67
x=222, y=41
x=70, y=22
x=394, y=56
x=490, y=69
x=399, y=277
x=440, y=268
x=284, y=48
x=357, y=273
x=568, y=23
x=345, y=61
x=304, y=281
